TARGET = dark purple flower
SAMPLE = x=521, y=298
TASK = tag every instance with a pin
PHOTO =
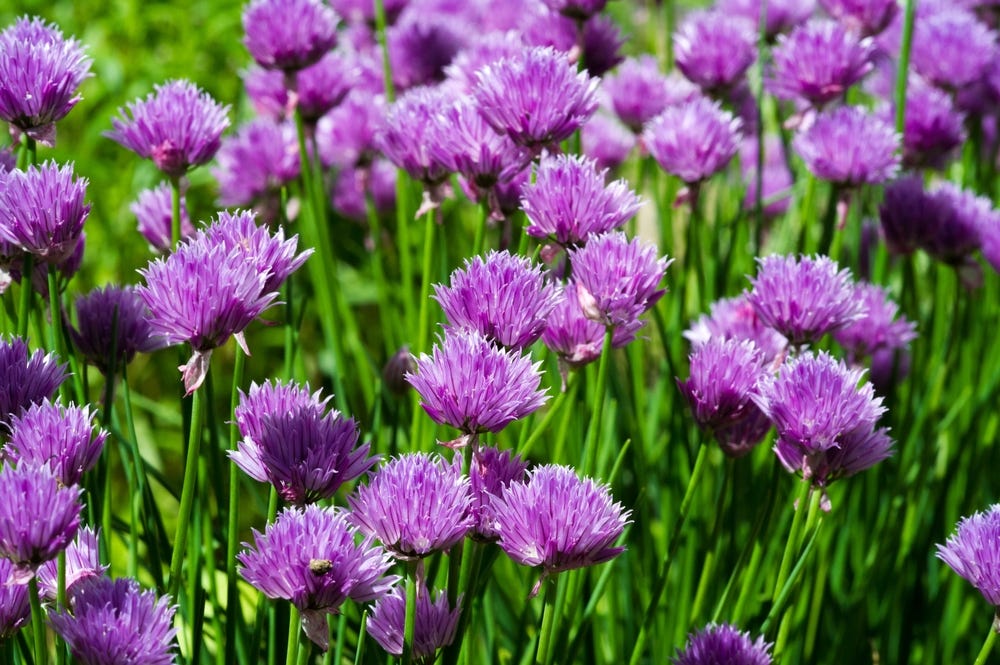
x=781, y=16
x=714, y=49
x=413, y=124
x=40, y=73
x=722, y=644
x=862, y=17
x=578, y=10
x=110, y=320
x=363, y=11
x=606, y=140
x=115, y=621
x=154, y=211
x=288, y=34
x=24, y=379
x=973, y=552
x=908, y=215
x=536, y=97
x=955, y=233
x=178, y=127
x=724, y=372
x=952, y=48
x=490, y=471
x=617, y=280
x=310, y=557
x=602, y=44
x=434, y=625
x=818, y=62
x=803, y=298
x=83, y=562
x=39, y=517
x=470, y=384
x=933, y=128
x=879, y=328
x=849, y=147
x=42, y=210
x=59, y=437
x=421, y=45
x=736, y=318
x=639, y=91
x=415, y=504
x=558, y=521
x=504, y=297
x=693, y=140
x=15, y=609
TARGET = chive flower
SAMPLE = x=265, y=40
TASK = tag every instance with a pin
x=723, y=644
x=59, y=437
x=714, y=50
x=153, y=210
x=434, y=626
x=25, y=379
x=973, y=552
x=288, y=34
x=693, y=140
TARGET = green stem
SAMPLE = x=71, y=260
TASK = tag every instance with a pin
x=903, y=65
x=387, y=312
x=566, y=395
x=380, y=32
x=187, y=495
x=594, y=432
x=547, y=630
x=424, y=314
x=175, y=211
x=791, y=545
x=24, y=309
x=990, y=639
x=480, y=231
x=410, y=619
x=294, y=632
x=37, y=623
x=233, y=611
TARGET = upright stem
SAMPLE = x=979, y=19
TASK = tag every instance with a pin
x=294, y=631
x=594, y=432
x=422, y=332
x=566, y=395
x=410, y=619
x=187, y=495
x=990, y=639
x=903, y=65
x=233, y=611
x=37, y=623
x=547, y=630
x=24, y=309
x=791, y=545
x=175, y=211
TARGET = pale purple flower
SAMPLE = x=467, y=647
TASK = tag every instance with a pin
x=15, y=609
x=39, y=517
x=639, y=91
x=59, y=437
x=606, y=140
x=879, y=328
x=933, y=128
x=345, y=136
x=781, y=16
x=353, y=187
x=310, y=557
x=973, y=552
x=115, y=622
x=484, y=50
x=736, y=318
x=952, y=48
x=415, y=504
x=537, y=97
x=693, y=140
x=724, y=373
x=576, y=339
x=178, y=126
x=714, y=49
x=25, y=379
x=40, y=74
x=818, y=62
x=491, y=470
x=42, y=211
x=804, y=298
x=504, y=297
x=253, y=164
x=849, y=147
x=862, y=17
x=268, y=94
x=412, y=125
x=83, y=562
x=288, y=34
x=153, y=209
x=723, y=644
x=434, y=626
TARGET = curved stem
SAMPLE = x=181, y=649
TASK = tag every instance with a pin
x=990, y=639
x=187, y=495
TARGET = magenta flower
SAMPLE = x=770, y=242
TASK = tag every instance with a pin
x=719, y=644
x=153, y=209
x=577, y=339
x=421, y=44
x=413, y=124
x=571, y=201
x=253, y=164
x=490, y=471
x=83, y=563
x=606, y=140
x=693, y=140
x=15, y=609
x=639, y=91
x=434, y=626
x=973, y=552
x=310, y=557
x=178, y=127
x=724, y=373
x=415, y=504
x=112, y=320
x=115, y=621
x=24, y=379
x=288, y=34
x=952, y=48
x=714, y=49
x=736, y=318
x=40, y=73
x=878, y=329
x=849, y=147
x=59, y=437
x=862, y=17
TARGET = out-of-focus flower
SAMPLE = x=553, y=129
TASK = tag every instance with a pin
x=42, y=211
x=421, y=44
x=434, y=625
x=59, y=437
x=849, y=147
x=693, y=140
x=736, y=318
x=959, y=214
x=484, y=50
x=933, y=128
x=879, y=328
x=579, y=10
x=606, y=140
x=288, y=34
x=83, y=563
x=25, y=379
x=714, y=49
x=781, y=15
x=112, y=326
x=153, y=209
x=952, y=48
x=490, y=471
x=721, y=643
x=777, y=182
x=15, y=609
x=639, y=91
x=973, y=552
x=862, y=17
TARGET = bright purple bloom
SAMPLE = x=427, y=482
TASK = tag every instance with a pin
x=862, y=17
x=973, y=552
x=818, y=62
x=178, y=127
x=154, y=211
x=879, y=328
x=421, y=45
x=558, y=521
x=484, y=50
x=617, y=280
x=722, y=644
x=933, y=128
x=42, y=211
x=59, y=437
x=693, y=140
x=537, y=97
x=39, y=517
x=24, y=379
x=639, y=91
x=606, y=140
x=782, y=15
x=345, y=136
x=736, y=318
x=413, y=124
x=434, y=626
x=504, y=297
x=490, y=471
x=115, y=622
x=415, y=504
x=310, y=557
x=15, y=609
x=804, y=298
x=470, y=384
x=83, y=562
x=112, y=319
x=253, y=164
x=576, y=339
x=952, y=48
x=40, y=73
x=714, y=49
x=289, y=34
x=724, y=372
x=849, y=147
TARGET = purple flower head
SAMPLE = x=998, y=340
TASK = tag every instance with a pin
x=15, y=608
x=724, y=372
x=973, y=552
x=578, y=10
x=952, y=48
x=24, y=379
x=434, y=626
x=309, y=556
x=955, y=235
x=178, y=127
x=639, y=91
x=83, y=562
x=781, y=16
x=617, y=280
x=693, y=140
x=486, y=49
x=110, y=320
x=558, y=521
x=722, y=644
x=40, y=73
x=908, y=215
x=933, y=128
x=736, y=318
x=115, y=622
x=42, y=210
x=415, y=504
x=606, y=140
x=504, y=297
x=289, y=34
x=576, y=339
x=352, y=186
x=862, y=17
x=536, y=97
x=849, y=147
x=255, y=163
x=345, y=136
x=8, y=160
x=268, y=94
x=413, y=124
x=714, y=49
x=154, y=211
x=879, y=328
x=490, y=471
x=818, y=62
x=39, y=516
x=602, y=44
x=571, y=201
x=804, y=298
x=59, y=437
x=421, y=45
x=825, y=420
x=323, y=85
x=363, y=11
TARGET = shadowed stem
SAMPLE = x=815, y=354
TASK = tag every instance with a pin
x=187, y=495
x=24, y=308
x=294, y=632
x=233, y=611
x=422, y=332
x=594, y=433
x=410, y=619
x=37, y=623
x=903, y=65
